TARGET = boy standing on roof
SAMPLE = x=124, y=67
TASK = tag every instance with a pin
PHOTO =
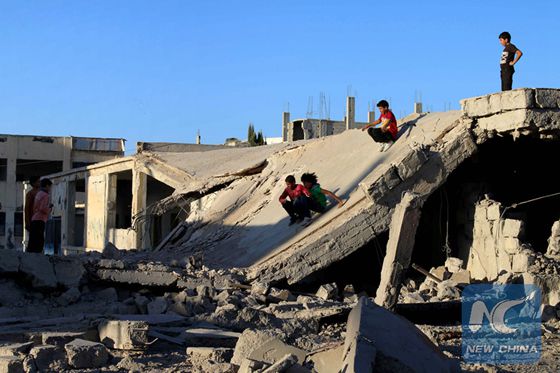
x=387, y=132
x=296, y=206
x=510, y=56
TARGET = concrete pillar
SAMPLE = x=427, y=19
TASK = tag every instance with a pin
x=67, y=225
x=285, y=121
x=418, y=108
x=402, y=231
x=139, y=198
x=350, y=112
x=26, y=188
x=67, y=158
x=371, y=116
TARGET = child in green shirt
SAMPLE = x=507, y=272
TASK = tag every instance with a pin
x=318, y=199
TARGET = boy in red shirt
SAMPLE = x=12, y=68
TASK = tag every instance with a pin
x=387, y=132
x=296, y=206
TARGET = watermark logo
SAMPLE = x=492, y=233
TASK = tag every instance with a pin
x=501, y=324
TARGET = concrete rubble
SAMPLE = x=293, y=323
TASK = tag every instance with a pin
x=235, y=289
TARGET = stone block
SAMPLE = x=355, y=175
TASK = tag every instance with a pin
x=512, y=228
x=11, y=364
x=327, y=291
x=328, y=361
x=462, y=277
x=142, y=278
x=547, y=98
x=39, y=269
x=259, y=288
x=124, y=334
x=48, y=357
x=200, y=356
x=15, y=349
x=504, y=261
x=157, y=306
x=9, y=261
x=69, y=272
x=70, y=296
x=249, y=341
x=60, y=339
x=440, y=272
x=84, y=354
x=510, y=245
x=375, y=335
x=488, y=105
x=282, y=365
x=493, y=212
x=522, y=261
x=453, y=265
x=411, y=163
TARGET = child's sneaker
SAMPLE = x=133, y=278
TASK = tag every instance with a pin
x=306, y=222
x=292, y=221
x=385, y=146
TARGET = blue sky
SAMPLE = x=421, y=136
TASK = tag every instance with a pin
x=161, y=70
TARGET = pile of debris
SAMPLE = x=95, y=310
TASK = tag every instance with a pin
x=108, y=312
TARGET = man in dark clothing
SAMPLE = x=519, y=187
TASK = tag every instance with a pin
x=510, y=56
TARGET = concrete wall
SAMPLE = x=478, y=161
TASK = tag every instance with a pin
x=36, y=154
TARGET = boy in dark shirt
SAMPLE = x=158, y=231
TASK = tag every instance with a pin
x=387, y=133
x=296, y=206
x=510, y=56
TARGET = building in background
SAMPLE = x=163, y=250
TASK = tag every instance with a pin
x=22, y=157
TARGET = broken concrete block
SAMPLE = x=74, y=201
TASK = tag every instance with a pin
x=547, y=98
x=280, y=295
x=183, y=309
x=111, y=252
x=193, y=282
x=39, y=269
x=522, y=261
x=259, y=288
x=107, y=295
x=205, y=291
x=84, y=354
x=205, y=337
x=200, y=356
x=11, y=364
x=512, y=228
x=553, y=249
x=249, y=341
x=327, y=291
x=440, y=272
x=462, y=277
x=447, y=290
x=328, y=361
x=141, y=303
x=124, y=334
x=411, y=163
x=274, y=350
x=493, y=212
x=157, y=306
x=48, y=357
x=504, y=261
x=251, y=366
x=282, y=365
x=60, y=339
x=110, y=264
x=142, y=278
x=9, y=261
x=510, y=245
x=493, y=104
x=15, y=349
x=69, y=272
x=70, y=296
x=375, y=334
x=454, y=265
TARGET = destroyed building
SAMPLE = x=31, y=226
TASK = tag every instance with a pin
x=310, y=128
x=22, y=157
x=464, y=194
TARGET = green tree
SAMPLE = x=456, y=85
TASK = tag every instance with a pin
x=251, y=136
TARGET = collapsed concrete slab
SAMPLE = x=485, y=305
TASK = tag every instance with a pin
x=377, y=336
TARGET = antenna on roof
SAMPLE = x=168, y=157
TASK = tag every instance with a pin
x=310, y=107
x=198, y=137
